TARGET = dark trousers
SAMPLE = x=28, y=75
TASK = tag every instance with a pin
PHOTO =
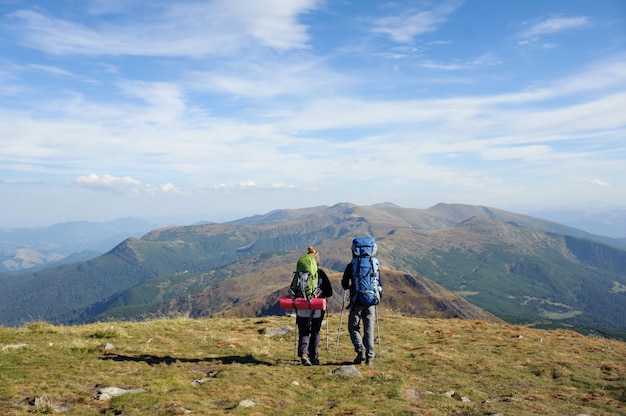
x=366, y=314
x=309, y=335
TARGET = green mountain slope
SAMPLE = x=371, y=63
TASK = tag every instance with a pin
x=519, y=273
x=219, y=293
x=510, y=265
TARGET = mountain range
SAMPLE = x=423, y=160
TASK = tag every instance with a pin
x=471, y=261
x=34, y=248
x=28, y=249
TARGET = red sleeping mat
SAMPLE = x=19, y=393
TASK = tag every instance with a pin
x=303, y=303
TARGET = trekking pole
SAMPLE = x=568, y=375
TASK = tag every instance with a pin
x=295, y=337
x=327, y=316
x=343, y=302
x=380, y=352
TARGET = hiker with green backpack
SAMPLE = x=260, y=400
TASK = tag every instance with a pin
x=309, y=282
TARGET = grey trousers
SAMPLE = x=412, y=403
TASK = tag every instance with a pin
x=367, y=314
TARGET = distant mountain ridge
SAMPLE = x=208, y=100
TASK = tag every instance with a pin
x=435, y=217
x=34, y=248
x=511, y=265
x=608, y=222
x=30, y=249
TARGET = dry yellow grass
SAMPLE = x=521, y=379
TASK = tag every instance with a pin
x=499, y=368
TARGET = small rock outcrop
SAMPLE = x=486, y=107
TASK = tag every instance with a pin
x=14, y=346
x=107, y=393
x=347, y=370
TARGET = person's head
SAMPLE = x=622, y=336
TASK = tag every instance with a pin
x=312, y=251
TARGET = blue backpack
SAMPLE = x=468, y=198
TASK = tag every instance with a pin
x=365, y=272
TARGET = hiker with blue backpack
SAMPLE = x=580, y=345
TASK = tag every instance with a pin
x=310, y=282
x=362, y=277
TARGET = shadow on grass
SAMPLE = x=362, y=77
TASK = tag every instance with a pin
x=168, y=360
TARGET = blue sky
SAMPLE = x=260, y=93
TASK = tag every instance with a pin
x=225, y=108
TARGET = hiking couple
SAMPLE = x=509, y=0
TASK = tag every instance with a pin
x=362, y=278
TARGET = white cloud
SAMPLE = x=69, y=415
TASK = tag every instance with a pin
x=600, y=183
x=273, y=22
x=124, y=185
x=250, y=185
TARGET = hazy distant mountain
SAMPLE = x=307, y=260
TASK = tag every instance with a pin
x=35, y=248
x=610, y=223
x=513, y=266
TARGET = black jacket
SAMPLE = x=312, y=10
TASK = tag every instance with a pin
x=325, y=286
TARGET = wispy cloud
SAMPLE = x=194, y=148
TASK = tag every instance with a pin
x=600, y=183
x=59, y=72
x=406, y=26
x=21, y=182
x=292, y=77
x=484, y=61
x=107, y=7
x=52, y=70
x=532, y=152
x=551, y=26
x=165, y=101
x=184, y=29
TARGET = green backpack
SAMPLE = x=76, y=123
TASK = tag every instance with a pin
x=305, y=281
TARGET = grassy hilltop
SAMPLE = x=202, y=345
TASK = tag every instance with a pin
x=209, y=366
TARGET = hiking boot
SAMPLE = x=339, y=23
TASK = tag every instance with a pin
x=360, y=357
x=369, y=361
x=305, y=360
x=315, y=361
